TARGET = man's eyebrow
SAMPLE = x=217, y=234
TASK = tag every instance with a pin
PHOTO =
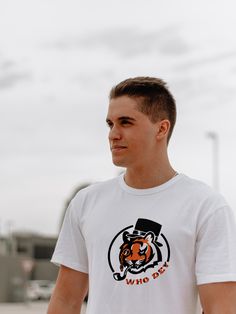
x=126, y=118
x=122, y=118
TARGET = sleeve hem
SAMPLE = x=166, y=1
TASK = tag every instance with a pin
x=76, y=266
x=203, y=279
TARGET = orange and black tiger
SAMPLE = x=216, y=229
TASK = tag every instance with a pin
x=137, y=254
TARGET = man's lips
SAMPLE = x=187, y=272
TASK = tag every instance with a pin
x=117, y=148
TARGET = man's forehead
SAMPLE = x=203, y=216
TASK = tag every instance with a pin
x=123, y=106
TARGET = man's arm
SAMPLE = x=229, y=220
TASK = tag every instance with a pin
x=69, y=293
x=218, y=298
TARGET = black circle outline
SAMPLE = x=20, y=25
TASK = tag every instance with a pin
x=168, y=247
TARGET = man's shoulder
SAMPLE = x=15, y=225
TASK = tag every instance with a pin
x=202, y=192
x=197, y=185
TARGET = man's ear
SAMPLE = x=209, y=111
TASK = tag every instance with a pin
x=163, y=128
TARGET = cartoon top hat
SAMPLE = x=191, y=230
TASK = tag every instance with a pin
x=143, y=226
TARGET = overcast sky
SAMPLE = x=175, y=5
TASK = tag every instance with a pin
x=58, y=61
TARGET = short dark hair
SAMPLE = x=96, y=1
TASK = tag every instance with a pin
x=156, y=101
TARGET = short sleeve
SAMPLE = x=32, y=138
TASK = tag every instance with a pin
x=70, y=249
x=216, y=248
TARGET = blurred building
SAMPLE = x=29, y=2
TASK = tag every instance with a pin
x=3, y=246
x=23, y=257
x=39, y=250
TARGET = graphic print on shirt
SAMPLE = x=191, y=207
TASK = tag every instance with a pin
x=134, y=252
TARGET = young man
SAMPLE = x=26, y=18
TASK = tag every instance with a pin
x=151, y=240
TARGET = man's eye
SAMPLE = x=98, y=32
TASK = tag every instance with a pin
x=125, y=122
x=109, y=124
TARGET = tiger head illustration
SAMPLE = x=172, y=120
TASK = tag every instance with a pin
x=138, y=253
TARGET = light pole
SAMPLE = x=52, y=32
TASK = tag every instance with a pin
x=215, y=159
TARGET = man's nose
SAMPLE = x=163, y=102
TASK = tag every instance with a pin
x=114, y=134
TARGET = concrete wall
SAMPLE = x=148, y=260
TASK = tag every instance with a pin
x=24, y=257
x=44, y=269
x=12, y=279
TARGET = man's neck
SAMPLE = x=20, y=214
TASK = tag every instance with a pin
x=144, y=179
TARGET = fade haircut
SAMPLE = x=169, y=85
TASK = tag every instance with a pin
x=153, y=98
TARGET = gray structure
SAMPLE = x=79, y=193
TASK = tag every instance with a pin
x=23, y=257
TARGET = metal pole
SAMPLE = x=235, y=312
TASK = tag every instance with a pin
x=215, y=159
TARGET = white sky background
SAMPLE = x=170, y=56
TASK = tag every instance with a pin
x=58, y=61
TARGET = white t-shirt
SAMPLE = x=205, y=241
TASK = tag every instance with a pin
x=146, y=250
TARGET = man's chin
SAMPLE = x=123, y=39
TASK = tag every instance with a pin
x=119, y=163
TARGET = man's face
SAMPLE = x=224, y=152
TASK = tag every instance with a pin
x=132, y=135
